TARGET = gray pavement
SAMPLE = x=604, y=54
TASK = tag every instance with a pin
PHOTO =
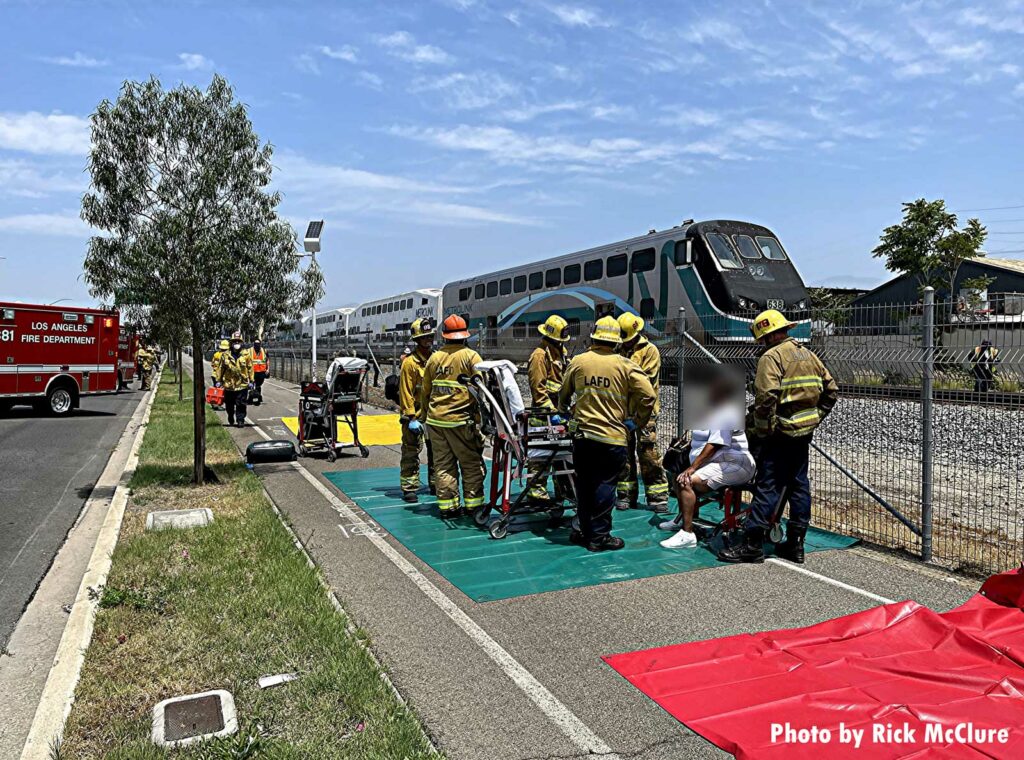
x=470, y=705
x=49, y=467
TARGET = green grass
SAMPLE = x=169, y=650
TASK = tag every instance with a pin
x=216, y=608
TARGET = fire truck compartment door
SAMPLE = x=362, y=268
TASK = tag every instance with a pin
x=32, y=379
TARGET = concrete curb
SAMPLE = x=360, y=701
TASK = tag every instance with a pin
x=59, y=691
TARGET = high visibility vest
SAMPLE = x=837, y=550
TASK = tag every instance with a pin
x=259, y=361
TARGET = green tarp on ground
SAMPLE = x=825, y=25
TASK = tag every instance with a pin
x=535, y=557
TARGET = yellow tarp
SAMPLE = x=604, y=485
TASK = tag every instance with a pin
x=374, y=429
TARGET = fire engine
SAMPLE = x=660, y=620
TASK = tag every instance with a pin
x=51, y=356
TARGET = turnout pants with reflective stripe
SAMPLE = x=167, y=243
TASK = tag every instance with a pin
x=596, y=466
x=643, y=446
x=235, y=403
x=412, y=445
x=782, y=466
x=455, y=449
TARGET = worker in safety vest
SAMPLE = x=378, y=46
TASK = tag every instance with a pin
x=614, y=397
x=146, y=359
x=410, y=379
x=984, y=359
x=234, y=374
x=544, y=369
x=643, y=444
x=260, y=365
x=452, y=416
x=793, y=392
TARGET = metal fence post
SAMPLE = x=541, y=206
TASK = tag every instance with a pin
x=927, y=379
x=680, y=425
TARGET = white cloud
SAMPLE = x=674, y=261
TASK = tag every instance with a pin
x=20, y=178
x=691, y=117
x=919, y=69
x=35, y=132
x=55, y=225
x=403, y=45
x=371, y=80
x=468, y=91
x=721, y=32
x=443, y=213
x=530, y=112
x=306, y=63
x=299, y=172
x=195, y=62
x=574, y=15
x=996, y=23
x=869, y=44
x=78, y=60
x=344, y=53
x=612, y=112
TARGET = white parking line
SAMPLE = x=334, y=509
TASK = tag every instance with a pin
x=574, y=729
x=830, y=581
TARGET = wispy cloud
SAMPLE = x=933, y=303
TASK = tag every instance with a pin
x=26, y=180
x=77, y=60
x=531, y=111
x=34, y=132
x=54, y=225
x=1005, y=22
x=576, y=15
x=468, y=91
x=404, y=46
x=195, y=62
x=343, y=53
x=296, y=171
x=718, y=31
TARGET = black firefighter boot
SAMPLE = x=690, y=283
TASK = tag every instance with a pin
x=793, y=548
x=750, y=548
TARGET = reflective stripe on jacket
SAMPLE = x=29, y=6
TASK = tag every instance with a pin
x=410, y=378
x=647, y=355
x=259, y=360
x=793, y=391
x=545, y=370
x=609, y=389
x=444, y=401
x=235, y=372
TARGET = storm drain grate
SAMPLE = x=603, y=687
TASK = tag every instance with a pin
x=180, y=721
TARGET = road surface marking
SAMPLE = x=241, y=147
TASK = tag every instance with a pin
x=574, y=729
x=830, y=581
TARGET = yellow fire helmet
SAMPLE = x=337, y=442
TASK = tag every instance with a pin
x=607, y=329
x=631, y=326
x=555, y=328
x=768, y=322
x=421, y=328
x=224, y=345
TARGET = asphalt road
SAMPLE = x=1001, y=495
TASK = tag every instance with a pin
x=48, y=469
x=470, y=703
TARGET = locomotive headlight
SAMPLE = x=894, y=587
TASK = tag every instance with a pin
x=802, y=305
x=742, y=302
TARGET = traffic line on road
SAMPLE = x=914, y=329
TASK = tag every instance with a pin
x=831, y=581
x=567, y=721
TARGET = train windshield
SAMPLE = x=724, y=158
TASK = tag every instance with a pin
x=724, y=251
x=748, y=249
x=771, y=248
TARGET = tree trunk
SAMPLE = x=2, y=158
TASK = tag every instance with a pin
x=198, y=409
x=181, y=376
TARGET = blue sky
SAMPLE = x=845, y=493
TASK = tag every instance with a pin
x=442, y=138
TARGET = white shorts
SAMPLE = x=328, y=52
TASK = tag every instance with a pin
x=724, y=473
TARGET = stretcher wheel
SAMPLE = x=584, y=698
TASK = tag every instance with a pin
x=332, y=455
x=775, y=534
x=499, y=530
x=480, y=515
x=364, y=451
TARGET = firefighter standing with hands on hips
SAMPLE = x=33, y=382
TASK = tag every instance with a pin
x=409, y=381
x=234, y=374
x=614, y=398
x=451, y=413
x=259, y=371
x=793, y=392
x=643, y=443
x=544, y=369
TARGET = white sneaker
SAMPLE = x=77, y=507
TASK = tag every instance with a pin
x=674, y=524
x=681, y=540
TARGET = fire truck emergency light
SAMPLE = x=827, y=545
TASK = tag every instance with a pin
x=311, y=243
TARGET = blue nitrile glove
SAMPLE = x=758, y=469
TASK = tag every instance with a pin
x=557, y=419
x=630, y=426
x=416, y=426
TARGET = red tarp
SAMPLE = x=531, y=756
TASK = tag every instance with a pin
x=900, y=664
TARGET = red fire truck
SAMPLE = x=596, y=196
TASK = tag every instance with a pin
x=51, y=356
x=127, y=348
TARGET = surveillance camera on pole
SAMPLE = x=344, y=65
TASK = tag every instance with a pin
x=311, y=244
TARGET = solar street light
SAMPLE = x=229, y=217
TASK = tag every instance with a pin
x=311, y=244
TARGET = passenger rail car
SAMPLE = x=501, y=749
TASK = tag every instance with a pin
x=723, y=272
x=377, y=321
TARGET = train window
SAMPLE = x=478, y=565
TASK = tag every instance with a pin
x=505, y=286
x=519, y=284
x=723, y=251
x=746, y=246
x=391, y=307
x=519, y=330
x=464, y=293
x=617, y=265
x=593, y=270
x=492, y=288
x=571, y=275
x=771, y=248
x=642, y=261
x=553, y=278
x=479, y=291
x=647, y=309
x=573, y=328
x=536, y=280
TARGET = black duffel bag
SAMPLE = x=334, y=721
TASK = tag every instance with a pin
x=262, y=452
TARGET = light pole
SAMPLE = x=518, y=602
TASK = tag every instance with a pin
x=311, y=244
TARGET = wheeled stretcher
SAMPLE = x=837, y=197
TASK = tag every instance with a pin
x=325, y=405
x=520, y=437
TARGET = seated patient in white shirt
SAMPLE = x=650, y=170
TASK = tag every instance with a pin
x=719, y=456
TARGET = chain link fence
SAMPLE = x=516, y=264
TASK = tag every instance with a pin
x=923, y=452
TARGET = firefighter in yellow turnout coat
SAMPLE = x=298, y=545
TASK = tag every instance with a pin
x=643, y=444
x=613, y=398
x=234, y=373
x=451, y=414
x=544, y=369
x=409, y=381
x=146, y=358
